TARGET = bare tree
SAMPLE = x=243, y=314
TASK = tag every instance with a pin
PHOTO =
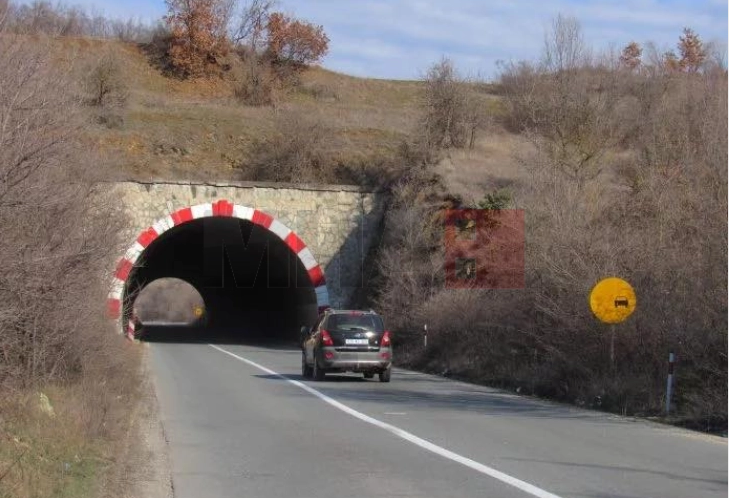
x=249, y=27
x=564, y=45
x=570, y=106
x=445, y=106
x=105, y=82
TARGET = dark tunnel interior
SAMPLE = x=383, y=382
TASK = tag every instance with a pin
x=254, y=288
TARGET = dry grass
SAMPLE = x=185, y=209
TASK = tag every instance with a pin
x=65, y=453
x=491, y=165
x=196, y=128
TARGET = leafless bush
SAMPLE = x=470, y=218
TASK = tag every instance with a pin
x=293, y=153
x=44, y=18
x=445, y=105
x=255, y=82
x=105, y=83
x=576, y=110
x=58, y=236
x=410, y=259
x=453, y=108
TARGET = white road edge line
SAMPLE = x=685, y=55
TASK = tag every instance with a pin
x=407, y=436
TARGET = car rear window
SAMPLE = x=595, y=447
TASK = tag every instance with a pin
x=343, y=322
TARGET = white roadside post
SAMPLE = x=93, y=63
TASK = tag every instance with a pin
x=425, y=336
x=669, y=382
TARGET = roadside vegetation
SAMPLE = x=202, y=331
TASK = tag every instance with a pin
x=67, y=381
x=624, y=173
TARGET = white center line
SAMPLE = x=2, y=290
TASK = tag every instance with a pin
x=407, y=436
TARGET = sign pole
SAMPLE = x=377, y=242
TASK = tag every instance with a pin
x=669, y=382
x=612, y=346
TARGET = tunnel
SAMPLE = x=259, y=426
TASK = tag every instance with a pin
x=257, y=279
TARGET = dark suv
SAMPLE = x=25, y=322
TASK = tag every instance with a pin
x=347, y=341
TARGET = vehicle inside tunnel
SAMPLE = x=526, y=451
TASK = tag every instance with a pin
x=253, y=285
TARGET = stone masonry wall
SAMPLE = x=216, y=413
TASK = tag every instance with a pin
x=337, y=223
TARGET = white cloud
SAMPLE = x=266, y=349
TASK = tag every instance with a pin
x=396, y=38
x=401, y=38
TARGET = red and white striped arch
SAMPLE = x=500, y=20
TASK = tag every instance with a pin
x=220, y=208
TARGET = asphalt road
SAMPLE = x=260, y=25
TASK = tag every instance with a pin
x=241, y=422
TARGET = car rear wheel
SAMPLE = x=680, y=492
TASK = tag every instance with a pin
x=306, y=370
x=385, y=375
x=319, y=372
x=368, y=375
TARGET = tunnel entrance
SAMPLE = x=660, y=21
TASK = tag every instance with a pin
x=169, y=301
x=256, y=277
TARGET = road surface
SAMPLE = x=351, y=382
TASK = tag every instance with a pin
x=241, y=422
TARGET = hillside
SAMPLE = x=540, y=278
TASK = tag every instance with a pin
x=197, y=130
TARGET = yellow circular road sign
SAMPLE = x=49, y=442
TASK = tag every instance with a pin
x=612, y=300
x=199, y=311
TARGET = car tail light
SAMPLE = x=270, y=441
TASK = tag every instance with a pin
x=328, y=355
x=385, y=356
x=326, y=339
x=385, y=339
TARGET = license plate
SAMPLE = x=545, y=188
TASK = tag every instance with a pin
x=356, y=342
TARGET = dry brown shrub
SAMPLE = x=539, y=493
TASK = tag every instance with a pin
x=630, y=56
x=410, y=259
x=293, y=153
x=198, y=38
x=105, y=82
x=294, y=41
x=59, y=237
x=255, y=81
x=445, y=105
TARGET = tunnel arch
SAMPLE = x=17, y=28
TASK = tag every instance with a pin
x=220, y=208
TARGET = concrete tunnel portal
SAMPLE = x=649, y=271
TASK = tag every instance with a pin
x=257, y=278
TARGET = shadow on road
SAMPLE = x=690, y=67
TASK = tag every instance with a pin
x=191, y=334
x=622, y=469
x=331, y=378
x=413, y=391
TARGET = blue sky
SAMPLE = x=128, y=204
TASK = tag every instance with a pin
x=401, y=38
